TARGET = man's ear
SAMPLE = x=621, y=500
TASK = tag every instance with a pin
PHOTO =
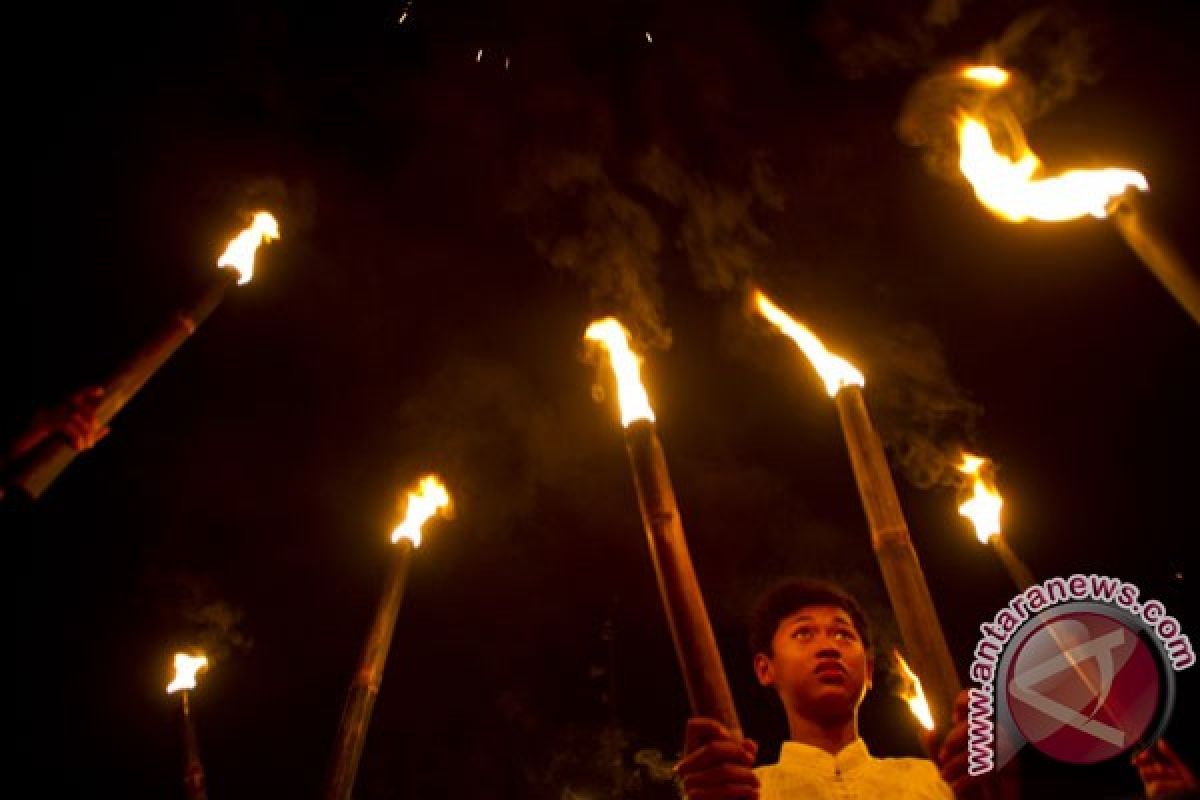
x=764, y=670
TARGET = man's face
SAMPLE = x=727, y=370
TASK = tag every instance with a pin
x=817, y=664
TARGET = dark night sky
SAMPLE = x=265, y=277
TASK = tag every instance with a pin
x=449, y=227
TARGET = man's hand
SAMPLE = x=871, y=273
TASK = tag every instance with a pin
x=1164, y=774
x=715, y=765
x=75, y=419
x=950, y=755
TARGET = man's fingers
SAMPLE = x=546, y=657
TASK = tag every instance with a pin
x=1168, y=754
x=726, y=775
x=76, y=433
x=956, y=742
x=88, y=398
x=960, y=706
x=955, y=768
x=1153, y=773
x=714, y=754
x=702, y=730
x=725, y=793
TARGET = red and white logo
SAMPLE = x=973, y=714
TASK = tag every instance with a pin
x=1083, y=687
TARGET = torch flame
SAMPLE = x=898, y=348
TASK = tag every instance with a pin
x=186, y=667
x=427, y=499
x=912, y=693
x=983, y=507
x=835, y=371
x=1012, y=189
x=626, y=366
x=239, y=255
x=991, y=77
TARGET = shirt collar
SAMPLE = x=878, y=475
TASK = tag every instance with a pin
x=805, y=756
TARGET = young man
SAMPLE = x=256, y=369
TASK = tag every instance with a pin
x=812, y=645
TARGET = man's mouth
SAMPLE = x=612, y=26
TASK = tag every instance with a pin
x=831, y=670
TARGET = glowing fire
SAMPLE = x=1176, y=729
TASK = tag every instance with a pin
x=626, y=366
x=429, y=498
x=912, y=693
x=186, y=667
x=1014, y=188
x=835, y=371
x=983, y=507
x=992, y=77
x=239, y=255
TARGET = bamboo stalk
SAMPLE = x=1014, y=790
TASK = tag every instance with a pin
x=920, y=628
x=691, y=630
x=1159, y=255
x=1021, y=575
x=360, y=701
x=194, y=784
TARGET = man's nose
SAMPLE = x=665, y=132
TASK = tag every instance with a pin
x=829, y=651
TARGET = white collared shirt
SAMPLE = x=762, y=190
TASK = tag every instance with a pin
x=805, y=772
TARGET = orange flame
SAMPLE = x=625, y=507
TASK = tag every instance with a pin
x=835, y=371
x=991, y=77
x=429, y=498
x=983, y=507
x=239, y=255
x=1013, y=187
x=912, y=693
x=186, y=667
x=626, y=366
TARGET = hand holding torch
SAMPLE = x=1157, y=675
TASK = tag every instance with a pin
x=691, y=631
x=236, y=265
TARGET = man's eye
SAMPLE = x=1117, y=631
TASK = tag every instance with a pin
x=844, y=635
x=802, y=633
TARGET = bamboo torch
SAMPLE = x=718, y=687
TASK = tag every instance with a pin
x=983, y=509
x=236, y=266
x=907, y=590
x=186, y=667
x=429, y=498
x=1014, y=188
x=691, y=630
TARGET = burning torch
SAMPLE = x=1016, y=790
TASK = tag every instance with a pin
x=910, y=691
x=983, y=509
x=429, y=498
x=186, y=667
x=907, y=590
x=695, y=644
x=1014, y=189
x=236, y=266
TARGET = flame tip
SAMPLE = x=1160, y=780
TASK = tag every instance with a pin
x=912, y=692
x=1011, y=187
x=239, y=254
x=984, y=505
x=626, y=366
x=428, y=498
x=836, y=372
